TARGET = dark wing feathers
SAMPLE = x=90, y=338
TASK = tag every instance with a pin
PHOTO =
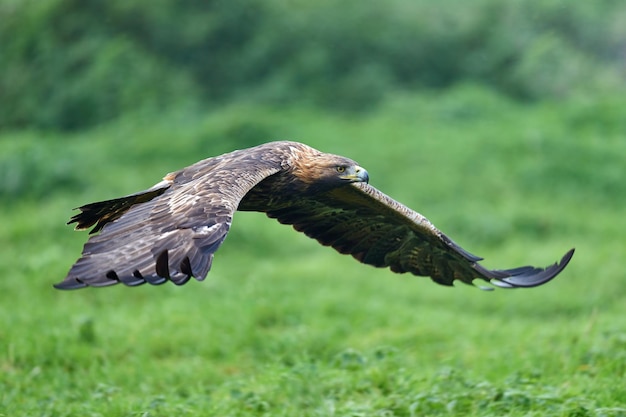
x=530, y=276
x=132, y=250
x=361, y=221
x=171, y=231
x=165, y=234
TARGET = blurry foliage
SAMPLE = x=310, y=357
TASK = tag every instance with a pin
x=69, y=64
x=28, y=170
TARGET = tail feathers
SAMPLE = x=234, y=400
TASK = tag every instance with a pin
x=103, y=212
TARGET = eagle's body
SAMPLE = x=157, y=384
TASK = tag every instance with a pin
x=172, y=230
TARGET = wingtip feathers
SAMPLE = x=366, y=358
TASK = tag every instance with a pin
x=528, y=276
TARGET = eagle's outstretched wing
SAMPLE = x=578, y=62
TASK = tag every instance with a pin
x=171, y=231
x=361, y=221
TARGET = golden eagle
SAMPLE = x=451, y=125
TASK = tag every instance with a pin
x=172, y=230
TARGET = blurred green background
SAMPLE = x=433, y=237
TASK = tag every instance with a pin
x=503, y=122
x=73, y=64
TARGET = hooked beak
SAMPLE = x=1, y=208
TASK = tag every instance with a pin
x=356, y=174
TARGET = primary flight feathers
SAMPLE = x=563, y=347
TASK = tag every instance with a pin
x=171, y=231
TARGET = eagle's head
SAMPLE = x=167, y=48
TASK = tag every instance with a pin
x=352, y=173
x=321, y=171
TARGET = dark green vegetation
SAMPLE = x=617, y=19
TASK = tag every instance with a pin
x=83, y=62
x=283, y=326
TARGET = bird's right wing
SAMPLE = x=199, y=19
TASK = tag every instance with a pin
x=375, y=229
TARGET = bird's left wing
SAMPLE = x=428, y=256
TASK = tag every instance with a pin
x=359, y=220
x=169, y=232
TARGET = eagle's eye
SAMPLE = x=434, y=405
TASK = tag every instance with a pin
x=340, y=169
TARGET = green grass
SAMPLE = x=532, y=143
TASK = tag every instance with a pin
x=285, y=327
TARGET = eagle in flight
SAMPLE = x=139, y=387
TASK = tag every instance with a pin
x=171, y=231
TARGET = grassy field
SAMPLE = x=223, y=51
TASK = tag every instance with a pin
x=285, y=327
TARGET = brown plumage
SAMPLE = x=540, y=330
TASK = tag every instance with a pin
x=171, y=231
